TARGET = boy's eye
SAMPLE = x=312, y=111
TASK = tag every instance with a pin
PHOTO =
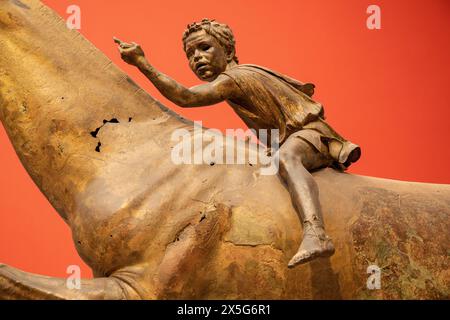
x=205, y=47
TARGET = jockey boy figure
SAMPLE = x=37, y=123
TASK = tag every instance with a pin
x=264, y=99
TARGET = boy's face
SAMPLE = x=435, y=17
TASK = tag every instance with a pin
x=207, y=58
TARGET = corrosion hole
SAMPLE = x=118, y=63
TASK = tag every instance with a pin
x=129, y=119
x=202, y=218
x=211, y=164
x=98, y=146
x=79, y=242
x=95, y=132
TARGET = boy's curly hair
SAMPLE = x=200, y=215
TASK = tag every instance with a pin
x=220, y=31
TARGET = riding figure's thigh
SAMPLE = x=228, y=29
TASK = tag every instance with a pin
x=296, y=150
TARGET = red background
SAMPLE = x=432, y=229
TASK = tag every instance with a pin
x=386, y=90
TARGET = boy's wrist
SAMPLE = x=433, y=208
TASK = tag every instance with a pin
x=142, y=63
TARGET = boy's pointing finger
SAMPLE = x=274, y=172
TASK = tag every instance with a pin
x=122, y=44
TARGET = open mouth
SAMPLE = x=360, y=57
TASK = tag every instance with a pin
x=200, y=66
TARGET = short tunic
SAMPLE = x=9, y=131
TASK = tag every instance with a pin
x=271, y=100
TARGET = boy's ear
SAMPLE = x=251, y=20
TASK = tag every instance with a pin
x=230, y=54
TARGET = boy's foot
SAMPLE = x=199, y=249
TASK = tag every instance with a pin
x=315, y=244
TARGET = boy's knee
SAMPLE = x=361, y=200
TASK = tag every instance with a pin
x=290, y=158
x=296, y=151
x=293, y=151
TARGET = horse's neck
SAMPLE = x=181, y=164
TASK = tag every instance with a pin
x=55, y=71
x=55, y=89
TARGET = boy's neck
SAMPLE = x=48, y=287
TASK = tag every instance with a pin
x=230, y=65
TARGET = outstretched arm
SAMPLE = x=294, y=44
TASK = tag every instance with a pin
x=220, y=89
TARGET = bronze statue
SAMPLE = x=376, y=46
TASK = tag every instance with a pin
x=264, y=99
x=98, y=147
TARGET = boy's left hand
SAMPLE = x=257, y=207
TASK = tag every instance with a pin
x=131, y=53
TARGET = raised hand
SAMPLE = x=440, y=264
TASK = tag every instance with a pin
x=131, y=53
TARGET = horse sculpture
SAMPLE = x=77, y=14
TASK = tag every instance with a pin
x=99, y=148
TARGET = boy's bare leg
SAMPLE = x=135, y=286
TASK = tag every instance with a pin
x=296, y=158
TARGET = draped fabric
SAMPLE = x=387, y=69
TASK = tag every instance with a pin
x=271, y=100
